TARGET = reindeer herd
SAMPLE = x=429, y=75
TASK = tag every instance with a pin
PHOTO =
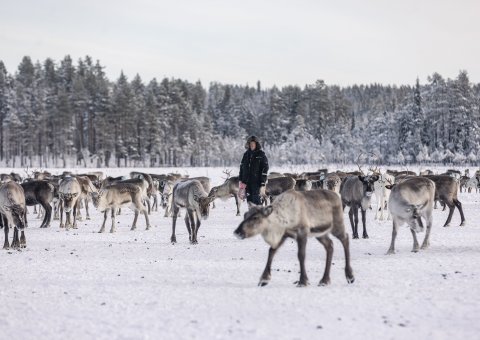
x=295, y=206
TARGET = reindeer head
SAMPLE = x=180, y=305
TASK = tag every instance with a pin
x=68, y=199
x=414, y=219
x=96, y=197
x=204, y=205
x=254, y=222
x=368, y=187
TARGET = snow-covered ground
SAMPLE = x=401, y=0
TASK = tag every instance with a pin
x=136, y=285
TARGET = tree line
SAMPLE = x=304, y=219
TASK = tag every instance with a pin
x=58, y=114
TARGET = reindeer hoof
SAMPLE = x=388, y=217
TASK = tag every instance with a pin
x=324, y=283
x=350, y=280
x=446, y=225
x=415, y=250
x=302, y=284
x=133, y=228
x=365, y=236
x=101, y=231
x=88, y=218
x=390, y=252
x=463, y=224
x=263, y=283
x=355, y=236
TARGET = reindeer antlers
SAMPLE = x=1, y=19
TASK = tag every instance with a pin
x=357, y=162
x=228, y=173
x=376, y=170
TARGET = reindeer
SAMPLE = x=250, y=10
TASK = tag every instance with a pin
x=276, y=186
x=409, y=201
x=151, y=190
x=356, y=192
x=39, y=192
x=303, y=185
x=87, y=188
x=12, y=213
x=116, y=195
x=395, y=173
x=332, y=182
x=204, y=181
x=275, y=175
x=69, y=191
x=382, y=193
x=446, y=191
x=228, y=189
x=471, y=184
x=191, y=195
x=299, y=215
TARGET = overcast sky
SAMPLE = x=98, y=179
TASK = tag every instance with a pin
x=276, y=42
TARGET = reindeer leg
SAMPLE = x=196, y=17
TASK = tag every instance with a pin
x=266, y=275
x=68, y=222
x=450, y=214
x=343, y=237
x=364, y=223
x=6, y=244
x=102, y=228
x=134, y=225
x=391, y=250
x=48, y=215
x=147, y=221
x=459, y=206
x=173, y=238
x=187, y=223
x=195, y=222
x=426, y=240
x=35, y=209
x=78, y=214
x=328, y=244
x=16, y=241
x=415, y=241
x=112, y=229
x=61, y=217
x=55, y=210
x=350, y=216
x=87, y=215
x=23, y=240
x=75, y=209
x=25, y=218
x=238, y=205
x=302, y=245
x=355, y=215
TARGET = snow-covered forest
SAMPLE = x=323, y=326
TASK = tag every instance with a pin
x=66, y=113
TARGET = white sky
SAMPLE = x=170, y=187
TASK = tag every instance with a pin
x=277, y=42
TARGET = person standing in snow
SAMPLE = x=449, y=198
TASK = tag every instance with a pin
x=253, y=170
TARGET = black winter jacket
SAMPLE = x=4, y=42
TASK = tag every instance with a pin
x=254, y=168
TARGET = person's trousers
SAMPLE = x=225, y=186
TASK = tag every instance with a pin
x=253, y=194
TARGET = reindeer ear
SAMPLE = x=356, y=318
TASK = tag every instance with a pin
x=375, y=178
x=195, y=198
x=389, y=186
x=267, y=211
x=362, y=178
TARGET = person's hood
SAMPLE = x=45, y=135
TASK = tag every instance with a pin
x=253, y=139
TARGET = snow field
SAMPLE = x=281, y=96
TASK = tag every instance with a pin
x=136, y=285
